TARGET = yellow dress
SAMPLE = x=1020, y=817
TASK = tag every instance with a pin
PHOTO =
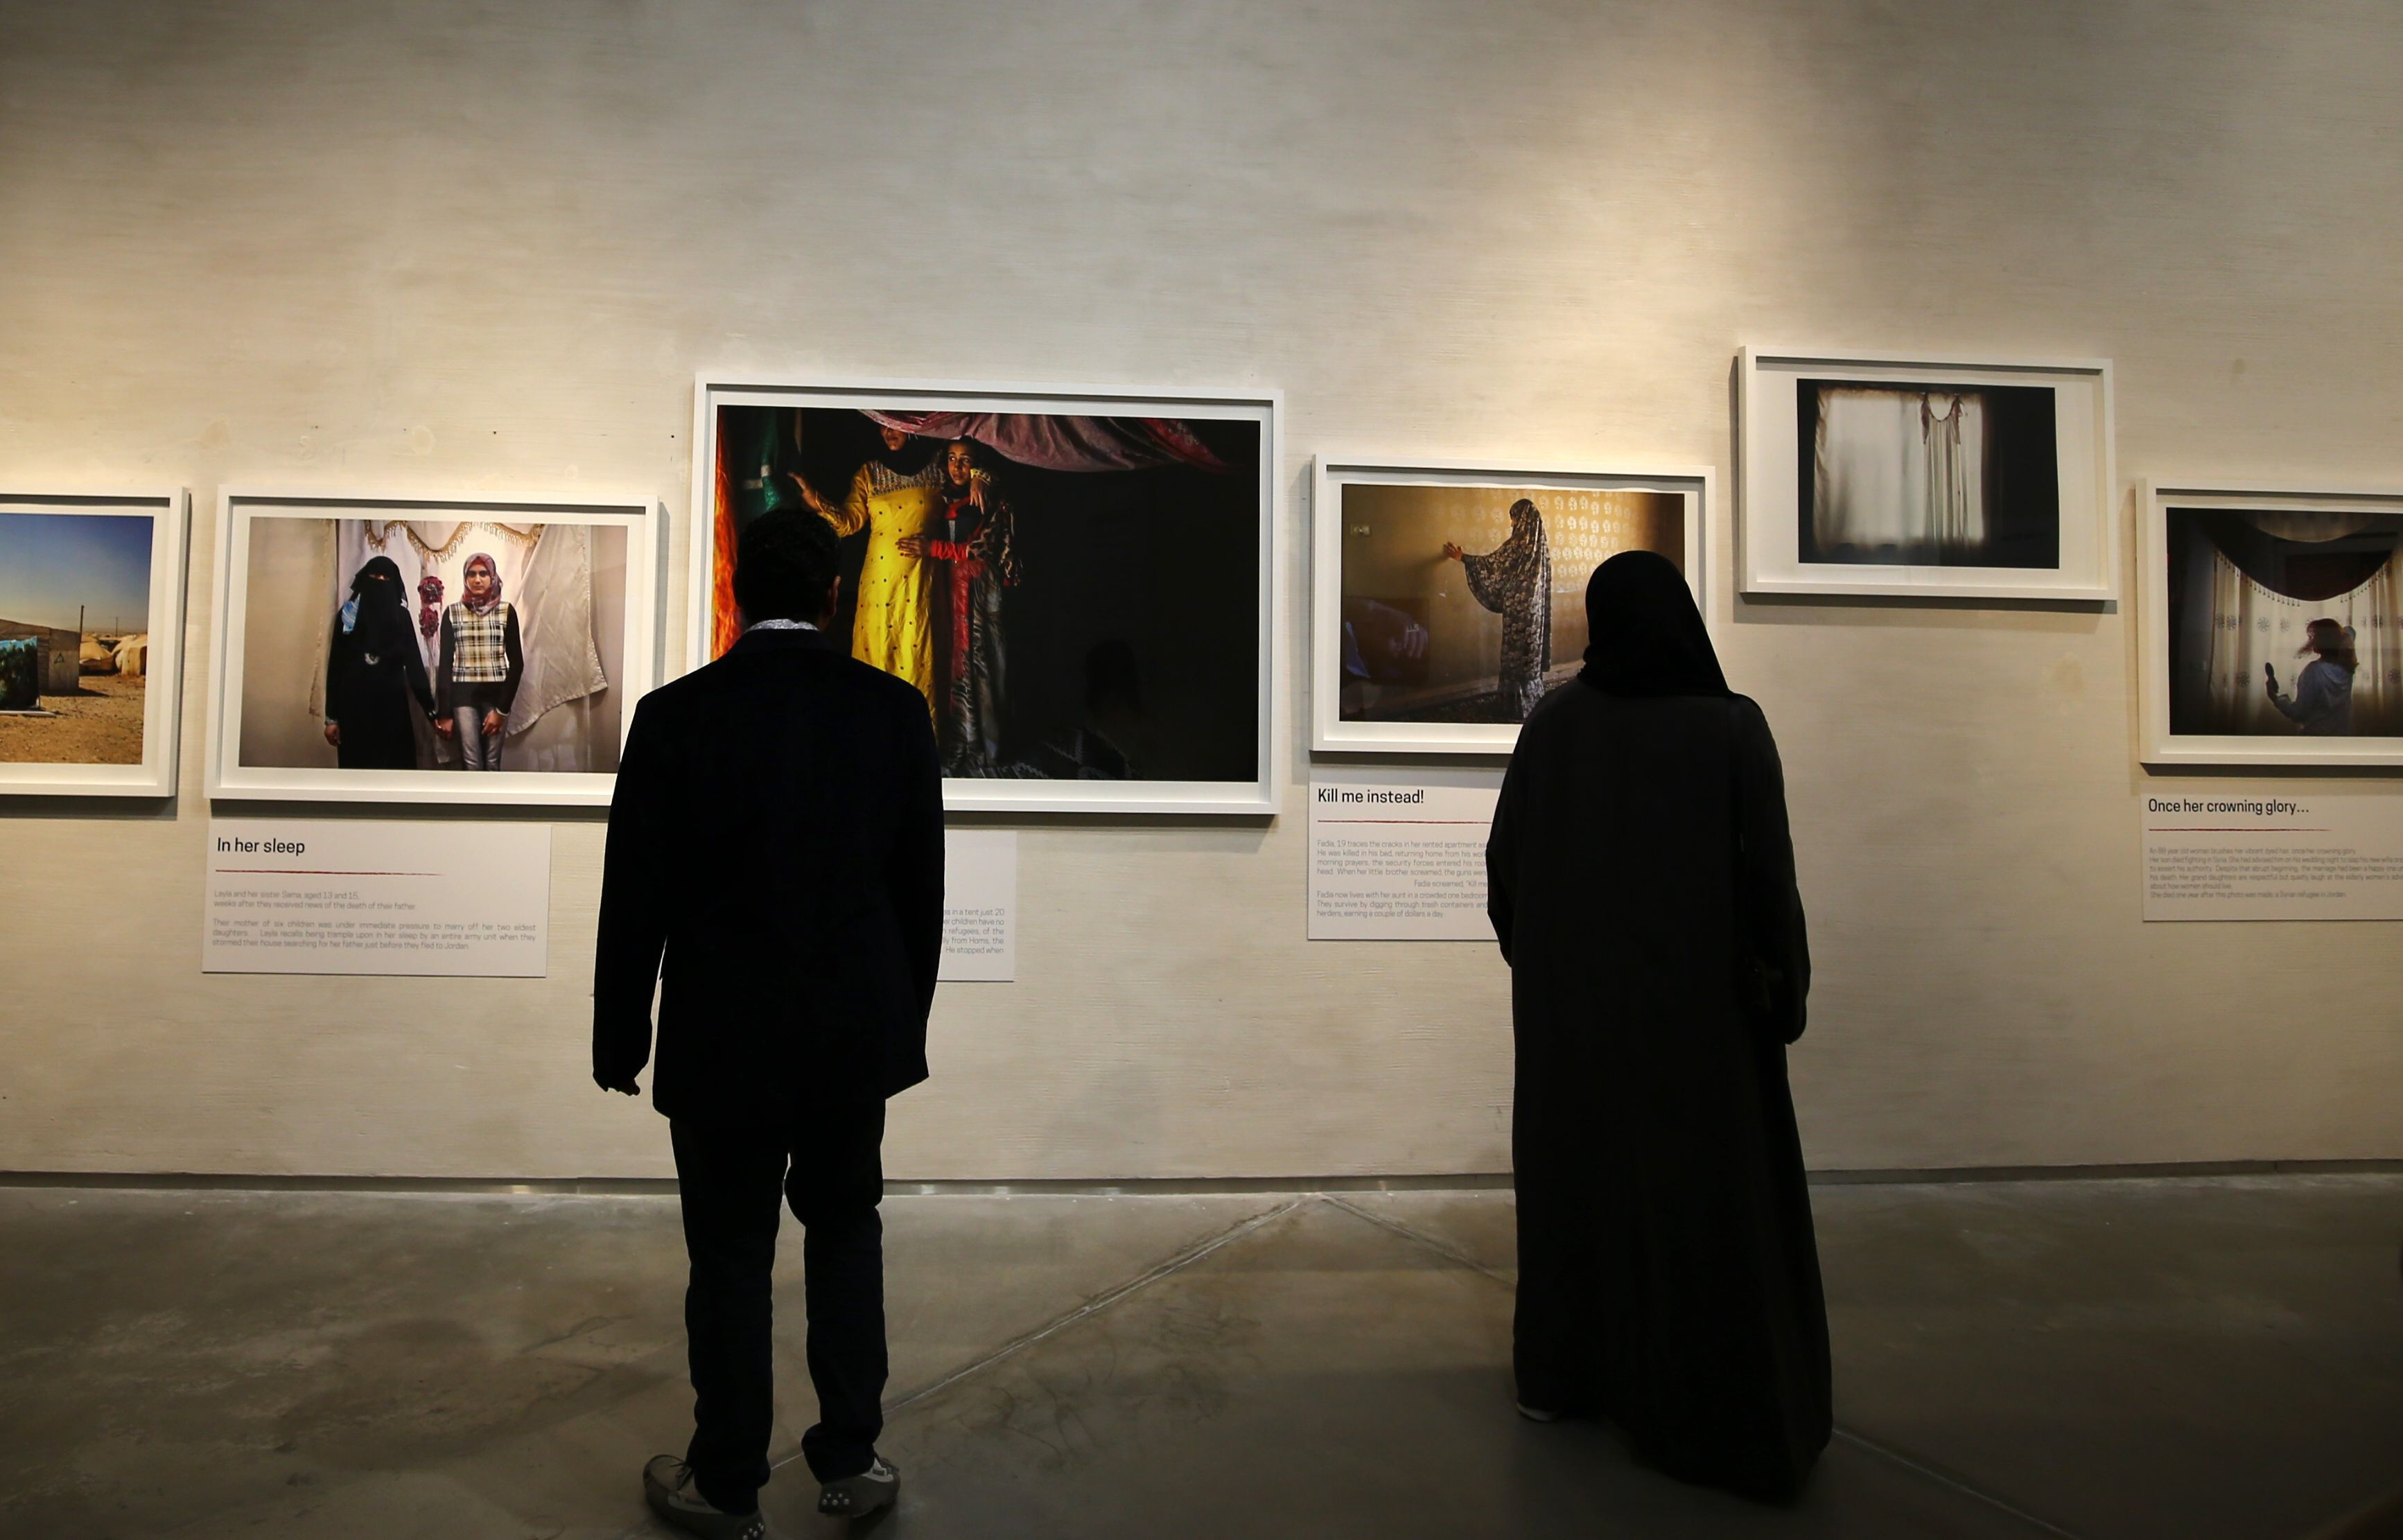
x=894, y=627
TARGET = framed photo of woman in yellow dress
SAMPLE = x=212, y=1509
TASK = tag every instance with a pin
x=1079, y=584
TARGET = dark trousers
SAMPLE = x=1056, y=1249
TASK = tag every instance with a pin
x=830, y=1168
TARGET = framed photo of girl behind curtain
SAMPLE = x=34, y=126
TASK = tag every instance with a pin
x=1077, y=583
x=391, y=650
x=2271, y=625
x=1921, y=477
x=1447, y=597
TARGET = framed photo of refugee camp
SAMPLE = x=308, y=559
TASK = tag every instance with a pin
x=1926, y=477
x=91, y=617
x=2271, y=625
x=1447, y=597
x=1078, y=582
x=474, y=649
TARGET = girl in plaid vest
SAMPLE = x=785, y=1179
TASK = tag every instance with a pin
x=483, y=660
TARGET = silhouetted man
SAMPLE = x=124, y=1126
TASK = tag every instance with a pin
x=777, y=835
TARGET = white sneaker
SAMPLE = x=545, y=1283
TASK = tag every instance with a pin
x=857, y=1496
x=667, y=1486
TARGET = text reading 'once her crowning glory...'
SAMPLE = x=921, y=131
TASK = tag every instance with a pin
x=2315, y=856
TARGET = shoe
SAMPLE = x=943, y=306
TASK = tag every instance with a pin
x=857, y=1496
x=667, y=1487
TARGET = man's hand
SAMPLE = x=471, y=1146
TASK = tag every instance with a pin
x=333, y=733
x=491, y=724
x=444, y=727
x=624, y=1088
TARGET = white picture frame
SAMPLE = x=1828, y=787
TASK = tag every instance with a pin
x=167, y=512
x=1332, y=474
x=2165, y=660
x=1772, y=557
x=1253, y=795
x=240, y=512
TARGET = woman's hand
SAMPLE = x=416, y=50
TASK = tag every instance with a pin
x=1452, y=552
x=912, y=544
x=333, y=733
x=975, y=493
x=808, y=494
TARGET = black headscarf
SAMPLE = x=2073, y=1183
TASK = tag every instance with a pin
x=1646, y=635
x=382, y=614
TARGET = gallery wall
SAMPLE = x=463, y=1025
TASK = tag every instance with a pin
x=486, y=245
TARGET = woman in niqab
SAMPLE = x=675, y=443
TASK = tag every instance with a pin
x=373, y=672
x=1641, y=882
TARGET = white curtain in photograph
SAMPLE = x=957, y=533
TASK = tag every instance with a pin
x=562, y=661
x=2251, y=626
x=1899, y=469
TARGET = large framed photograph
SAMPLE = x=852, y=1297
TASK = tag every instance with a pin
x=2271, y=627
x=1447, y=597
x=92, y=616
x=1077, y=583
x=1869, y=473
x=414, y=649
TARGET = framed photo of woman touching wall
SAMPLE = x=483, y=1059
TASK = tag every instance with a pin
x=472, y=649
x=2271, y=625
x=1926, y=477
x=1447, y=597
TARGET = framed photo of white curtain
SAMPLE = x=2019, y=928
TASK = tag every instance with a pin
x=1079, y=581
x=2271, y=625
x=472, y=649
x=1448, y=596
x=91, y=621
x=1926, y=477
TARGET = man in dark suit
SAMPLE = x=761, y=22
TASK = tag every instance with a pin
x=777, y=837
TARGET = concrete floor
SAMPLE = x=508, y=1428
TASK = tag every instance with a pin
x=2188, y=1358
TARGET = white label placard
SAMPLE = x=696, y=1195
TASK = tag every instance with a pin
x=1400, y=859
x=979, y=907
x=361, y=896
x=2288, y=855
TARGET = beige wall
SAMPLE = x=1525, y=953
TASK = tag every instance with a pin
x=487, y=244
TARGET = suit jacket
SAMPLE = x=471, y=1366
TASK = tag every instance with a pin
x=777, y=838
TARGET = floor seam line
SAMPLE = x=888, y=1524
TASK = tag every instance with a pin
x=1092, y=1307
x=1959, y=1484
x=1442, y=1248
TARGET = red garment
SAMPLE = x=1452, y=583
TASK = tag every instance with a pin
x=965, y=570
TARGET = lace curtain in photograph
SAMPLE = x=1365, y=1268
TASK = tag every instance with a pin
x=2252, y=626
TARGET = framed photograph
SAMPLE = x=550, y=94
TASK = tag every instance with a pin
x=1446, y=597
x=2271, y=625
x=1078, y=582
x=1868, y=472
x=91, y=618
x=413, y=649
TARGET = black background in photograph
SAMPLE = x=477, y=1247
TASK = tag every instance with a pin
x=2023, y=479
x=1142, y=578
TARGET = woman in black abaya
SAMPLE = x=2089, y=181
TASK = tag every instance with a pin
x=372, y=671
x=1641, y=882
